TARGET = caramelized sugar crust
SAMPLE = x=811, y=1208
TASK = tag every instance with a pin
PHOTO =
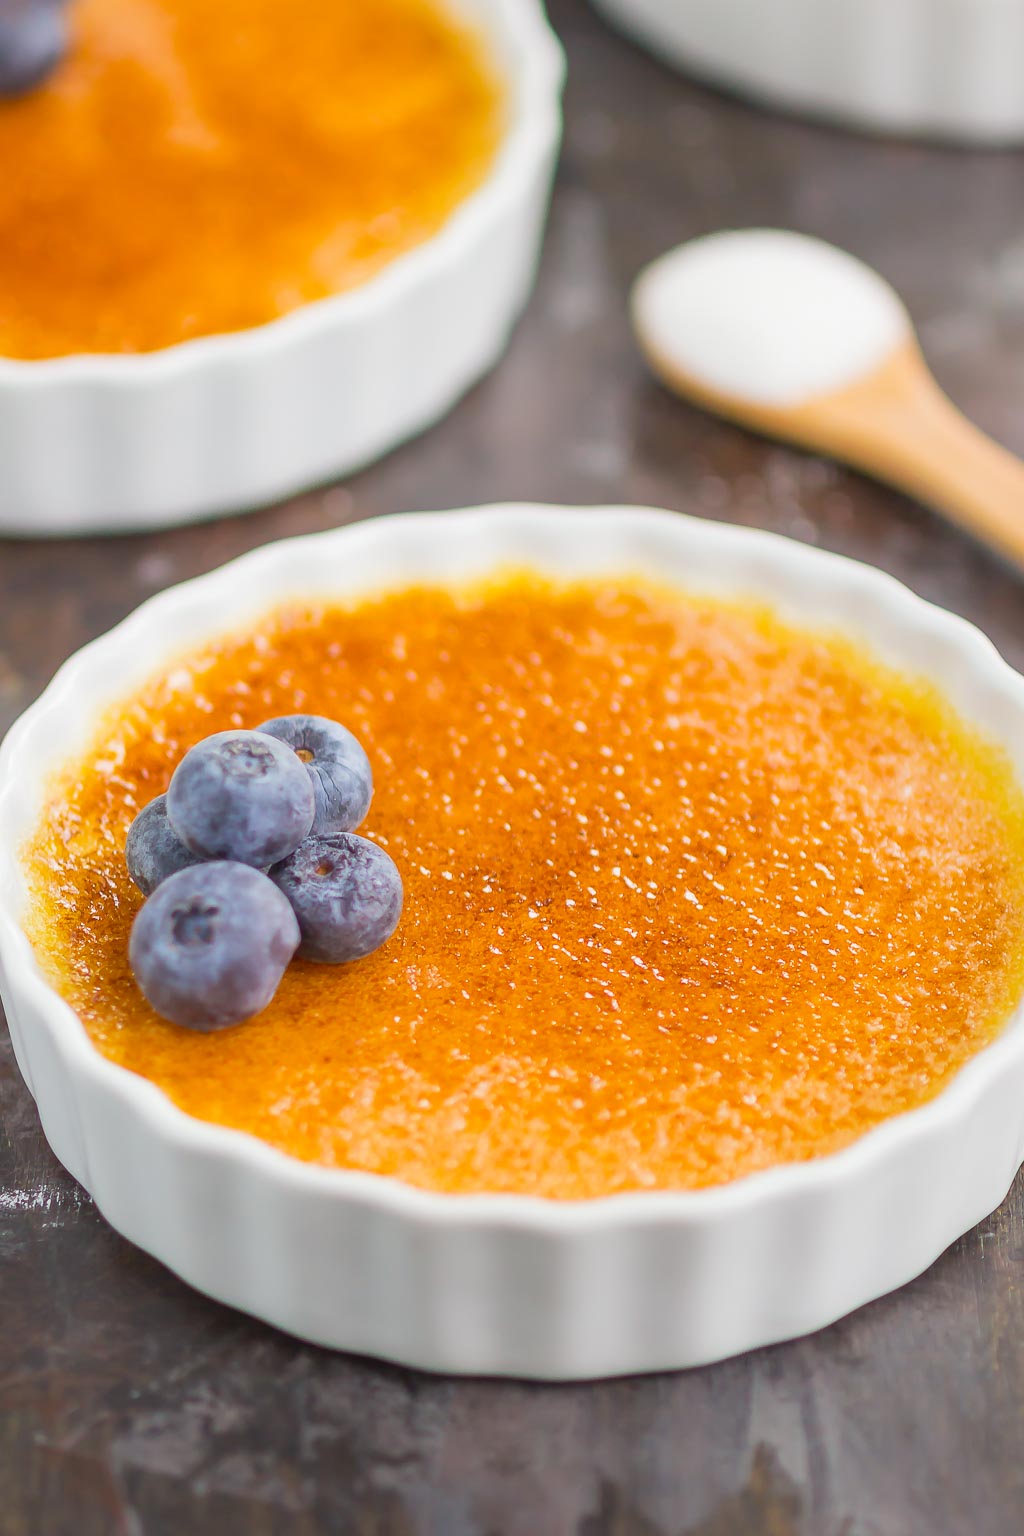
x=198, y=167
x=688, y=893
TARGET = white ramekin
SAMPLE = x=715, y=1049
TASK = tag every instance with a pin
x=504, y=1284
x=947, y=69
x=114, y=443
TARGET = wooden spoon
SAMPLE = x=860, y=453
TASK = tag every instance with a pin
x=802, y=342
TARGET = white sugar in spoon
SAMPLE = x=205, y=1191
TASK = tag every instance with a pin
x=801, y=341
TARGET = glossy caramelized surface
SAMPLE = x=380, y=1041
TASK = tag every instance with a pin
x=198, y=167
x=688, y=893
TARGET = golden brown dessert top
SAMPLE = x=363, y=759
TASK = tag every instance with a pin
x=194, y=168
x=688, y=893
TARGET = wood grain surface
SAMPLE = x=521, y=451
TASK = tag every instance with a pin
x=130, y=1406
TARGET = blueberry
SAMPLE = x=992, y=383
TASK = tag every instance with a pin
x=154, y=850
x=211, y=944
x=241, y=795
x=336, y=763
x=33, y=38
x=346, y=893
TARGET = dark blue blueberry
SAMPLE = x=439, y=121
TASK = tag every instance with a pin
x=346, y=893
x=336, y=763
x=211, y=944
x=33, y=38
x=154, y=850
x=241, y=795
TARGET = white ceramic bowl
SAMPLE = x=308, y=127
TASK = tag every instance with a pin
x=948, y=69
x=505, y=1284
x=113, y=443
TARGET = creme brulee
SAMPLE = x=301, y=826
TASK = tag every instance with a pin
x=194, y=168
x=689, y=893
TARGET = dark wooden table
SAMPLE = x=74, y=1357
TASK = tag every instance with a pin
x=130, y=1406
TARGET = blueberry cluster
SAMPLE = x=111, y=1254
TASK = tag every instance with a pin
x=250, y=858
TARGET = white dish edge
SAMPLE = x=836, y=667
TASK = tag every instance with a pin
x=943, y=69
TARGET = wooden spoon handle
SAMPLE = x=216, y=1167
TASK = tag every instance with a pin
x=900, y=427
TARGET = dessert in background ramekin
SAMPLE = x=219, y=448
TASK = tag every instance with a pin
x=497, y=1282
x=146, y=434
